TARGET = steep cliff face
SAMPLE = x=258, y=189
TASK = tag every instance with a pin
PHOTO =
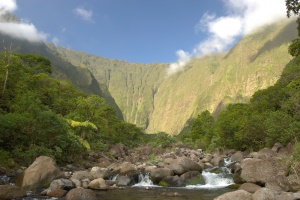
x=149, y=98
x=212, y=82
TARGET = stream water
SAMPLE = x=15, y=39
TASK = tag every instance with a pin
x=215, y=183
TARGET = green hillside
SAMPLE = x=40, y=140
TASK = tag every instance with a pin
x=150, y=99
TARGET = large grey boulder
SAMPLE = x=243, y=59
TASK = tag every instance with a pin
x=82, y=175
x=172, y=181
x=125, y=181
x=294, y=182
x=236, y=195
x=98, y=183
x=81, y=194
x=264, y=194
x=279, y=184
x=249, y=187
x=11, y=192
x=261, y=171
x=62, y=184
x=158, y=174
x=98, y=172
x=237, y=157
x=176, y=168
x=41, y=172
x=285, y=196
x=188, y=164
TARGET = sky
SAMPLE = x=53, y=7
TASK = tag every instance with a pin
x=142, y=31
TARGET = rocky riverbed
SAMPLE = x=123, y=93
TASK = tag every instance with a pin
x=256, y=175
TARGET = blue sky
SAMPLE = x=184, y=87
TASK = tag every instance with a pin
x=145, y=31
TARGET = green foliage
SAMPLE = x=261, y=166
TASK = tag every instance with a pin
x=273, y=115
x=160, y=139
x=43, y=116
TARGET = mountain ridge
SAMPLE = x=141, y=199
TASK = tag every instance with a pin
x=144, y=95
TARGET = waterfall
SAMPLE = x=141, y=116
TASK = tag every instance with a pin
x=217, y=177
x=144, y=181
x=114, y=178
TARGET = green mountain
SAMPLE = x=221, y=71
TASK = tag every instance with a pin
x=143, y=94
x=149, y=98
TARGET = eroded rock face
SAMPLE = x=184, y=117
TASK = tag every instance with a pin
x=261, y=171
x=42, y=171
x=236, y=195
x=11, y=192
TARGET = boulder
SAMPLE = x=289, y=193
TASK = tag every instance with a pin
x=80, y=194
x=188, y=164
x=176, y=168
x=11, y=192
x=285, y=196
x=85, y=183
x=98, y=172
x=261, y=171
x=294, y=181
x=123, y=168
x=192, y=178
x=169, y=160
x=62, y=184
x=81, y=175
x=207, y=158
x=249, y=187
x=57, y=193
x=267, y=153
x=235, y=167
x=172, y=181
x=217, y=160
x=77, y=183
x=237, y=157
x=41, y=172
x=277, y=146
x=125, y=181
x=264, y=193
x=236, y=195
x=158, y=174
x=98, y=183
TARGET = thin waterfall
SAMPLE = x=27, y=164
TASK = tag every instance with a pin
x=144, y=181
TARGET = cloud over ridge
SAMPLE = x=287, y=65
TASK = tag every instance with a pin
x=243, y=17
x=20, y=30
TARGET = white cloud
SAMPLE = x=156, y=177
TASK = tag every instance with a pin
x=183, y=59
x=244, y=16
x=22, y=31
x=84, y=14
x=7, y=5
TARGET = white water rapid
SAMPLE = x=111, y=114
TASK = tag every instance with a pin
x=217, y=177
x=144, y=181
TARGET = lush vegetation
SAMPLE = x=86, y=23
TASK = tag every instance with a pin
x=273, y=115
x=40, y=115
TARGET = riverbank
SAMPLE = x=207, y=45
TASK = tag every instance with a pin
x=177, y=168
